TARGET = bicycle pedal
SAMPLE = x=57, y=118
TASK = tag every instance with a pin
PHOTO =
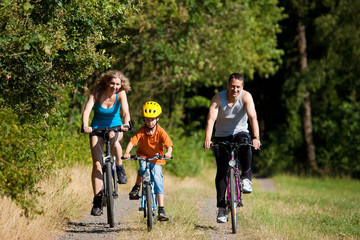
x=134, y=197
x=141, y=209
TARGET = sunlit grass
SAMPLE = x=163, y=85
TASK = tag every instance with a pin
x=65, y=197
x=306, y=208
x=300, y=208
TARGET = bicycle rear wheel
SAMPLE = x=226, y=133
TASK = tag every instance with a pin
x=149, y=207
x=110, y=197
x=233, y=203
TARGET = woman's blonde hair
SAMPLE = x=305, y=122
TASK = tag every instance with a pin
x=100, y=85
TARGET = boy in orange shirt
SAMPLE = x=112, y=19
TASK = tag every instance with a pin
x=151, y=138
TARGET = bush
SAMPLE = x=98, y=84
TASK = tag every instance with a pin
x=189, y=155
x=30, y=151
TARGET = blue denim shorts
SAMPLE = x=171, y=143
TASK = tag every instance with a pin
x=156, y=175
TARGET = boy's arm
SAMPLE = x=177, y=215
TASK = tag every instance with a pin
x=128, y=149
x=168, y=152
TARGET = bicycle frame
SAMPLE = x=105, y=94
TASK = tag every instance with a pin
x=148, y=182
x=235, y=186
x=147, y=189
x=107, y=157
x=110, y=187
x=239, y=186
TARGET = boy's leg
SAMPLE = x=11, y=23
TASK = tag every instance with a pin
x=134, y=194
x=157, y=176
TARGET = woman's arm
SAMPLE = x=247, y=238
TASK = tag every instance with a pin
x=86, y=114
x=125, y=110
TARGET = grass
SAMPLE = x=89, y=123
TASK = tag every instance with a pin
x=180, y=207
x=300, y=208
x=305, y=208
x=65, y=196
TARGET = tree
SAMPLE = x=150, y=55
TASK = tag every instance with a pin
x=306, y=118
x=330, y=79
x=45, y=45
x=47, y=49
x=179, y=51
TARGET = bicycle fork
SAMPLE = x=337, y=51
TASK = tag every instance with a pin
x=113, y=173
x=143, y=198
x=238, y=187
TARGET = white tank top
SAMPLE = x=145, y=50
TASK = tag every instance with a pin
x=231, y=120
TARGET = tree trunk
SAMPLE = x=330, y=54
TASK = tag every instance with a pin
x=306, y=118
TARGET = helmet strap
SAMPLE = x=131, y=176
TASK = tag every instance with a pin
x=150, y=129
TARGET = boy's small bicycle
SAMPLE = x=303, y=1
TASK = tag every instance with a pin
x=148, y=198
x=110, y=188
x=235, y=185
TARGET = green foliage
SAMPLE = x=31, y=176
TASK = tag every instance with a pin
x=189, y=155
x=30, y=151
x=332, y=79
x=178, y=47
x=45, y=44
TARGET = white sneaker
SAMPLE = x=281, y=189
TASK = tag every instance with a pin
x=247, y=186
x=222, y=215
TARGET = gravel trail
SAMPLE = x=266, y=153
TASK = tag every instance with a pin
x=222, y=231
x=92, y=228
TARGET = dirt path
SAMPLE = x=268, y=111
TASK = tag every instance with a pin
x=222, y=231
x=92, y=228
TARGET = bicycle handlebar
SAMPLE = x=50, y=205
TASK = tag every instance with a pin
x=157, y=156
x=231, y=144
x=108, y=129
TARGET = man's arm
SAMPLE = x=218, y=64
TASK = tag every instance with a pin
x=212, y=116
x=251, y=112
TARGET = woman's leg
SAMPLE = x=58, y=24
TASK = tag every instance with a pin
x=116, y=149
x=97, y=146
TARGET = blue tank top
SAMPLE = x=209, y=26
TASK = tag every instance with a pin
x=231, y=120
x=106, y=117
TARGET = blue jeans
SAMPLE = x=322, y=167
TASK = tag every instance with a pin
x=156, y=175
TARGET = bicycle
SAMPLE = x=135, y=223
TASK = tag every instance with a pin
x=148, y=198
x=235, y=185
x=110, y=188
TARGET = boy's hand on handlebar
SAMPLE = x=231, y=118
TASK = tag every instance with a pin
x=168, y=155
x=126, y=156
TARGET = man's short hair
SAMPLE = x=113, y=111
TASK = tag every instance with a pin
x=236, y=76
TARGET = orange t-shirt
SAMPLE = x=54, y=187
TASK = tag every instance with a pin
x=149, y=146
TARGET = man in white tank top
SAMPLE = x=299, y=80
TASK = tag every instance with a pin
x=231, y=110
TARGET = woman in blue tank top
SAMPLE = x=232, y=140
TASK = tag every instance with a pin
x=107, y=98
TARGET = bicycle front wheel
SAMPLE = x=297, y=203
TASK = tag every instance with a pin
x=149, y=207
x=110, y=197
x=233, y=199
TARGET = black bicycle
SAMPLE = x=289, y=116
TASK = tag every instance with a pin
x=110, y=188
x=235, y=185
x=148, y=199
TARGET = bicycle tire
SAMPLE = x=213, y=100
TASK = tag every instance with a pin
x=110, y=197
x=149, y=207
x=233, y=203
x=144, y=195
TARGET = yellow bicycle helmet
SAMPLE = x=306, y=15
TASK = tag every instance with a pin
x=151, y=109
